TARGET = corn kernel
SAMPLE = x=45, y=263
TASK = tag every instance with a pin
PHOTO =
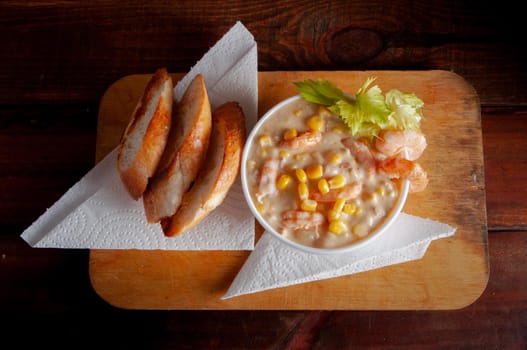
x=335, y=158
x=333, y=215
x=380, y=191
x=290, y=134
x=265, y=140
x=337, y=181
x=303, y=191
x=300, y=156
x=297, y=112
x=283, y=153
x=261, y=208
x=314, y=171
x=315, y=123
x=301, y=175
x=308, y=205
x=337, y=227
x=339, y=204
x=323, y=186
x=349, y=208
x=283, y=181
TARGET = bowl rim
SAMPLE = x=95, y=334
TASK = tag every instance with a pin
x=383, y=227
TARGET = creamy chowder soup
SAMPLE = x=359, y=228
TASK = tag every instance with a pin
x=313, y=182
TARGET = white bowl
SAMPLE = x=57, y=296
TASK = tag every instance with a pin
x=369, y=239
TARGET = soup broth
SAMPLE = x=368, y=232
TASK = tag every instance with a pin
x=313, y=182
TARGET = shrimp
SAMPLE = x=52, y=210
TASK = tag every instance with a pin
x=268, y=176
x=299, y=219
x=361, y=152
x=303, y=140
x=406, y=143
x=397, y=168
x=347, y=192
x=418, y=179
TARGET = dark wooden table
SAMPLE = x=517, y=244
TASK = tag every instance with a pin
x=58, y=58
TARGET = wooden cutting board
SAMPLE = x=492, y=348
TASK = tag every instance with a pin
x=452, y=274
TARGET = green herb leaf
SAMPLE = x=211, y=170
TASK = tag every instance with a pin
x=319, y=91
x=369, y=111
x=406, y=110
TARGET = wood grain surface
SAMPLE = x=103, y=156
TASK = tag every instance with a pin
x=453, y=273
x=59, y=57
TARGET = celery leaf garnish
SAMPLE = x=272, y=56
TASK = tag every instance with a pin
x=369, y=111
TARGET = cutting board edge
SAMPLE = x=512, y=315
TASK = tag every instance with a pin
x=450, y=74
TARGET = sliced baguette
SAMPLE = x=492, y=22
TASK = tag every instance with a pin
x=218, y=174
x=184, y=153
x=144, y=139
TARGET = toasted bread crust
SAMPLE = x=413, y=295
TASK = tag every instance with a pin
x=218, y=174
x=136, y=162
x=183, y=155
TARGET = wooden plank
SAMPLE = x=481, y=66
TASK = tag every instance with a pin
x=44, y=150
x=505, y=151
x=503, y=307
x=47, y=288
x=452, y=274
x=94, y=45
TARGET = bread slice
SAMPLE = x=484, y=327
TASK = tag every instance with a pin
x=218, y=174
x=184, y=153
x=144, y=139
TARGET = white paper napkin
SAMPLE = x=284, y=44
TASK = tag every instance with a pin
x=97, y=213
x=274, y=264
